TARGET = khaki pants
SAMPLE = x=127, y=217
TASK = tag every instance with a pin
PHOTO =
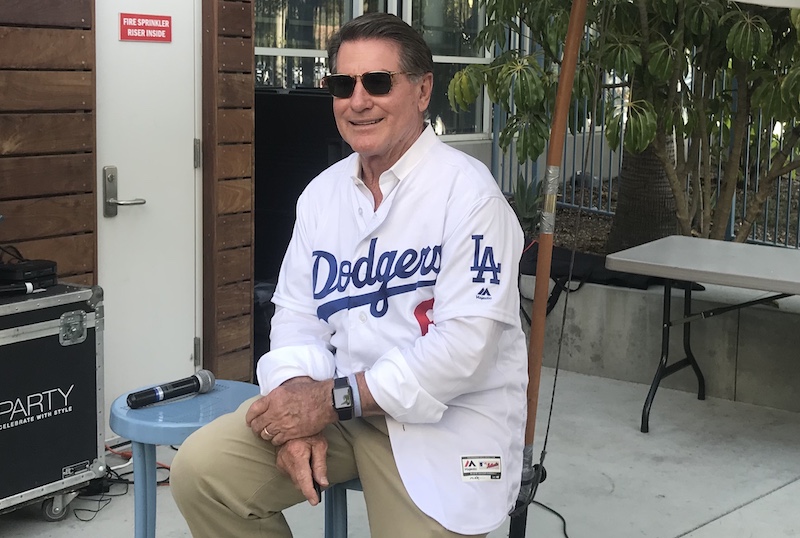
x=225, y=481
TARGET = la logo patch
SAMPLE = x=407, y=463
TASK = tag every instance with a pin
x=483, y=262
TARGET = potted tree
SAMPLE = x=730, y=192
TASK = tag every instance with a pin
x=700, y=79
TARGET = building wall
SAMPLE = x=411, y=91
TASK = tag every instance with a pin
x=47, y=134
x=228, y=101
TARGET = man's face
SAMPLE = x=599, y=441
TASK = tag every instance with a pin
x=380, y=128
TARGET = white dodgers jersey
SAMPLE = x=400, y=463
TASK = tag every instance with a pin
x=395, y=289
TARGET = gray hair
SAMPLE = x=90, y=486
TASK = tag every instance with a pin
x=415, y=55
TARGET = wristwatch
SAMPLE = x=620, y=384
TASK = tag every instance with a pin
x=342, y=395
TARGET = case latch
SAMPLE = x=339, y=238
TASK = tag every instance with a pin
x=73, y=328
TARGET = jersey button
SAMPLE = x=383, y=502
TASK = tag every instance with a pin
x=363, y=317
x=360, y=211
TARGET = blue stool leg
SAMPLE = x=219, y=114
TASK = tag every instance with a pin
x=144, y=489
x=336, y=512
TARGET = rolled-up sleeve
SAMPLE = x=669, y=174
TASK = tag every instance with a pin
x=415, y=384
x=300, y=346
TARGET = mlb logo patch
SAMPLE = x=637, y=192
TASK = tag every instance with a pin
x=480, y=468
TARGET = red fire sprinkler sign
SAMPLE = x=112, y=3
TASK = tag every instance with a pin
x=133, y=27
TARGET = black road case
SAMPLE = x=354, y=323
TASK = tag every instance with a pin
x=51, y=396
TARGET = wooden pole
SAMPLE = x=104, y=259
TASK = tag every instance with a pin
x=575, y=34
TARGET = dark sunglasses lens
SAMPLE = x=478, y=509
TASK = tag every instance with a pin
x=377, y=83
x=340, y=85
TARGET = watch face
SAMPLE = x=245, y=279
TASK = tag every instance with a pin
x=342, y=398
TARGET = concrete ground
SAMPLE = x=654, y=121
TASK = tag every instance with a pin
x=707, y=469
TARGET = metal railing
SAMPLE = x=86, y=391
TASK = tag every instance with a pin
x=590, y=171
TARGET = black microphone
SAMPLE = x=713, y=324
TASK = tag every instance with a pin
x=21, y=288
x=202, y=381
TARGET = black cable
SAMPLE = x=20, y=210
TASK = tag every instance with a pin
x=524, y=312
x=13, y=252
x=563, y=521
x=123, y=480
x=102, y=502
x=102, y=499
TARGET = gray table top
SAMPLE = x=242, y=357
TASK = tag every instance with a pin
x=740, y=265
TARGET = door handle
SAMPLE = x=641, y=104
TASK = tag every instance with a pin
x=110, y=200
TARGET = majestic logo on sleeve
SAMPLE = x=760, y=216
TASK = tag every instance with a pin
x=483, y=265
x=331, y=275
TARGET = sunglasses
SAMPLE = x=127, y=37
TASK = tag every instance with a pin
x=375, y=82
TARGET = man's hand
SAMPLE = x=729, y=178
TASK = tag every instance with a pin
x=304, y=460
x=292, y=411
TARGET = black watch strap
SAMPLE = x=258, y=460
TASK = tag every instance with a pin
x=342, y=395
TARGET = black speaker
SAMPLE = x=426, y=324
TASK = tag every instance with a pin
x=295, y=139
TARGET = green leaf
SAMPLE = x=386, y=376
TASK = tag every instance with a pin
x=621, y=56
x=452, y=89
x=662, y=58
x=665, y=9
x=465, y=86
x=508, y=132
x=528, y=200
x=522, y=145
x=528, y=89
x=614, y=118
x=640, y=127
x=790, y=86
x=504, y=79
x=767, y=97
x=750, y=37
x=703, y=15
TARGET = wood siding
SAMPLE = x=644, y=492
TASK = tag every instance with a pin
x=228, y=100
x=47, y=134
x=48, y=164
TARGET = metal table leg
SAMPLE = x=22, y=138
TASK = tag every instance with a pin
x=664, y=369
x=687, y=345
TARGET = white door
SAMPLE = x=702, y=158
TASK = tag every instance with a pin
x=148, y=110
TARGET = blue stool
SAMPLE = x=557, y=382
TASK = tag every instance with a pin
x=168, y=423
x=336, y=508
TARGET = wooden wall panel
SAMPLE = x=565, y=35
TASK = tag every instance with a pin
x=71, y=14
x=38, y=90
x=235, y=19
x=234, y=334
x=22, y=134
x=234, y=196
x=232, y=300
x=73, y=254
x=228, y=134
x=81, y=280
x=235, y=54
x=236, y=90
x=46, y=48
x=235, y=125
x=46, y=175
x=234, y=230
x=46, y=217
x=234, y=161
x=236, y=365
x=233, y=266
x=47, y=134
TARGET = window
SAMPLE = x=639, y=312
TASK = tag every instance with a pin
x=291, y=37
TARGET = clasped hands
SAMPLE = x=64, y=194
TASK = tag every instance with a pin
x=291, y=417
